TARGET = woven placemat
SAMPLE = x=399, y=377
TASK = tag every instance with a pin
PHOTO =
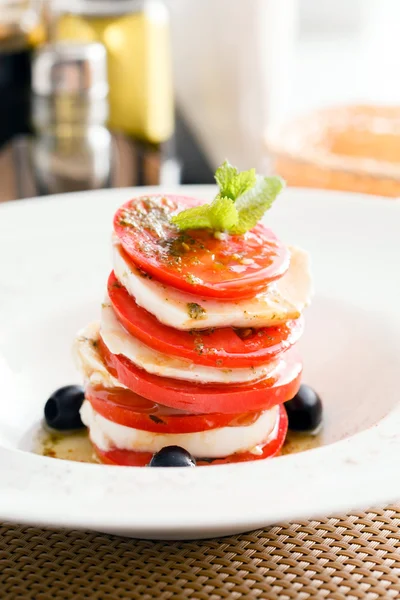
x=353, y=557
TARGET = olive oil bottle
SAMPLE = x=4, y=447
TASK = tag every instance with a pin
x=136, y=36
x=21, y=30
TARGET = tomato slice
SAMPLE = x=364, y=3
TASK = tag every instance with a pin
x=207, y=398
x=128, y=458
x=225, y=347
x=124, y=407
x=235, y=266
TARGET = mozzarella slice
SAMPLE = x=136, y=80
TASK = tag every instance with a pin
x=119, y=341
x=88, y=359
x=214, y=443
x=282, y=300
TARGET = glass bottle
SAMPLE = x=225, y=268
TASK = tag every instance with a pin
x=21, y=28
x=136, y=36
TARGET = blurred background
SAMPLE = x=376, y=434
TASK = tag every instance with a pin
x=112, y=93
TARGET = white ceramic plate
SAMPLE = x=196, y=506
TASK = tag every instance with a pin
x=54, y=261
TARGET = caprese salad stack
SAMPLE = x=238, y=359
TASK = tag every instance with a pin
x=195, y=349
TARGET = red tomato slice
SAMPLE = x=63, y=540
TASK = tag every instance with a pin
x=225, y=347
x=124, y=407
x=128, y=458
x=207, y=398
x=196, y=261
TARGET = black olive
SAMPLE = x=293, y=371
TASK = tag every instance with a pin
x=172, y=456
x=304, y=410
x=62, y=408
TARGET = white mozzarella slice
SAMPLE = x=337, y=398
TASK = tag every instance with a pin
x=215, y=443
x=282, y=300
x=88, y=360
x=119, y=341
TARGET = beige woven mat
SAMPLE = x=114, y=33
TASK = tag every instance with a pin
x=352, y=557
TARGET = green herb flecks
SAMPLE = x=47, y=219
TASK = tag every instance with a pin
x=192, y=279
x=195, y=311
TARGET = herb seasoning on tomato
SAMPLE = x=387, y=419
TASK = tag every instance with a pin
x=225, y=347
x=196, y=261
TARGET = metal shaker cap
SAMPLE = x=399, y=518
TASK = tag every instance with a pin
x=100, y=7
x=70, y=69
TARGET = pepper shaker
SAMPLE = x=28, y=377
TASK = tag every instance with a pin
x=72, y=147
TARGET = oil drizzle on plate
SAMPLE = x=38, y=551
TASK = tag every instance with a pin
x=73, y=446
x=299, y=442
x=76, y=446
